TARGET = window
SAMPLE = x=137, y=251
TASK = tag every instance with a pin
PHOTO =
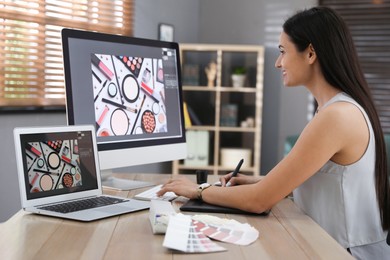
x=368, y=21
x=31, y=68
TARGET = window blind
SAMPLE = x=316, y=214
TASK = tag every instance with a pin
x=31, y=66
x=369, y=23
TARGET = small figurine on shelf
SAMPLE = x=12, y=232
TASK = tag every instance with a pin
x=211, y=72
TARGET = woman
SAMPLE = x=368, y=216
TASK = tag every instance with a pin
x=337, y=168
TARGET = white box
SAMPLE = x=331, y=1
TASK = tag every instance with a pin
x=159, y=213
x=197, y=148
x=231, y=156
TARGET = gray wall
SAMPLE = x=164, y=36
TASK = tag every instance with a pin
x=260, y=22
x=182, y=14
x=205, y=21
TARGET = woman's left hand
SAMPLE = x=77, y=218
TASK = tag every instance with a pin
x=181, y=186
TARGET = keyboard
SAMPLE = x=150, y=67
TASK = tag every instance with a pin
x=77, y=205
x=150, y=194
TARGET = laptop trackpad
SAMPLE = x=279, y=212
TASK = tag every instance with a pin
x=116, y=209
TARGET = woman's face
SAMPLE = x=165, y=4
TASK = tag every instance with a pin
x=294, y=64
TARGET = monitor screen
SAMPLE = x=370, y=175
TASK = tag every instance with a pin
x=130, y=89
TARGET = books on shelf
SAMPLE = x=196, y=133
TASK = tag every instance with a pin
x=190, y=74
x=190, y=118
x=194, y=118
x=187, y=119
x=229, y=114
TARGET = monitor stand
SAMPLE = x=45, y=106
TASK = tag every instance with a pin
x=111, y=182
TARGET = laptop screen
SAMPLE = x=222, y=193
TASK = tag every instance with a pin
x=58, y=163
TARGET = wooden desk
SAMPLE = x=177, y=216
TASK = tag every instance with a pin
x=286, y=233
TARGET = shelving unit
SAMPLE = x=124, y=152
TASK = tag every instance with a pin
x=208, y=103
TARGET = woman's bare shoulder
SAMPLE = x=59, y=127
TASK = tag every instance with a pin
x=342, y=129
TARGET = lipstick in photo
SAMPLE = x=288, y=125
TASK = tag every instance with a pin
x=148, y=91
x=33, y=150
x=102, y=67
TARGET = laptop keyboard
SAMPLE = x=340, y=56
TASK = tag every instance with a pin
x=78, y=205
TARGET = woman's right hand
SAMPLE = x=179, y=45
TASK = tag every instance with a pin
x=240, y=179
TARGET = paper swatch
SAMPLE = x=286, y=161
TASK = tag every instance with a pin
x=225, y=230
x=181, y=235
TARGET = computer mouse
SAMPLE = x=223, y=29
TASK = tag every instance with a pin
x=218, y=183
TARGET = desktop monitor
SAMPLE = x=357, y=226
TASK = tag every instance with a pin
x=130, y=90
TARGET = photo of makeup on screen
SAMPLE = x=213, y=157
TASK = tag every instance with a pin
x=53, y=165
x=129, y=95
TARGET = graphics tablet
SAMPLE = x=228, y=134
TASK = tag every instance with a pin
x=201, y=206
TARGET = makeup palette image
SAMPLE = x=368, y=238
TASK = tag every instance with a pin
x=132, y=63
x=55, y=145
x=53, y=165
x=131, y=100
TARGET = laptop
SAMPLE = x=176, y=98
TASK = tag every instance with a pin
x=58, y=173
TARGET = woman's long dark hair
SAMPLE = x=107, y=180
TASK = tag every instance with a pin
x=329, y=35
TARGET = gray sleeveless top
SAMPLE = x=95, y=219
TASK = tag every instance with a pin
x=342, y=199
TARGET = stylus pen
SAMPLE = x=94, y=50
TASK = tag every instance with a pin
x=235, y=172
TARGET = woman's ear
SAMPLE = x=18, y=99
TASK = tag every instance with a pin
x=311, y=54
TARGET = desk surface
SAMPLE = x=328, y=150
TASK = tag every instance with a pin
x=286, y=233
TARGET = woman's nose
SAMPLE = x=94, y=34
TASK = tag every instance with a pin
x=277, y=63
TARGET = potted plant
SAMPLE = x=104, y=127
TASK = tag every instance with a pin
x=238, y=77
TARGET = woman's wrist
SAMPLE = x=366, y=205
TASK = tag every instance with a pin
x=201, y=188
